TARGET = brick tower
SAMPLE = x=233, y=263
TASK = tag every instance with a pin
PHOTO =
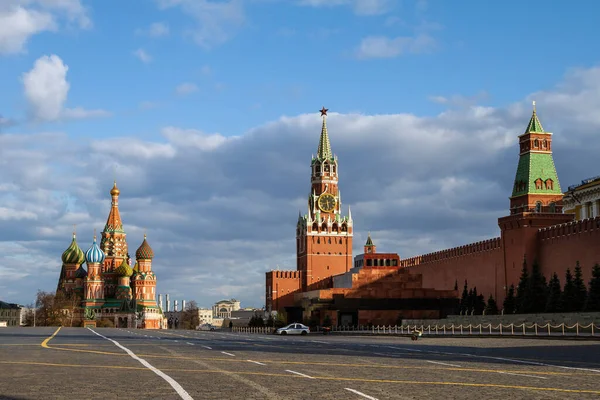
x=323, y=235
x=536, y=201
x=94, y=283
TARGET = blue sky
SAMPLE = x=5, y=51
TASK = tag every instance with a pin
x=159, y=89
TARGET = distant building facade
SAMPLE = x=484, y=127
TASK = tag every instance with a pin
x=10, y=313
x=223, y=308
x=583, y=199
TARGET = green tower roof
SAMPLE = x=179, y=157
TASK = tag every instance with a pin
x=534, y=126
x=533, y=166
x=369, y=241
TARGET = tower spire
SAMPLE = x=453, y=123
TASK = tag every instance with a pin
x=324, y=149
x=534, y=126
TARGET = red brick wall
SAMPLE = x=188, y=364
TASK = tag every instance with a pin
x=282, y=286
x=561, y=246
x=481, y=264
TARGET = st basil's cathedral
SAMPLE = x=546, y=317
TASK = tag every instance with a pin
x=111, y=289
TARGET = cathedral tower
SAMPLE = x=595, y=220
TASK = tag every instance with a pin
x=143, y=280
x=323, y=235
x=72, y=259
x=113, y=244
x=94, y=283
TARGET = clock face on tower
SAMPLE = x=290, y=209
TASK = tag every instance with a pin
x=327, y=202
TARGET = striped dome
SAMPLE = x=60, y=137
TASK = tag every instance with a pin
x=94, y=254
x=145, y=251
x=124, y=269
x=73, y=254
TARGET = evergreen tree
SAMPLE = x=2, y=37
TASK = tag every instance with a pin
x=593, y=300
x=471, y=301
x=464, y=300
x=491, y=307
x=568, y=295
x=554, y=295
x=522, y=301
x=580, y=289
x=510, y=301
x=538, y=289
x=479, y=304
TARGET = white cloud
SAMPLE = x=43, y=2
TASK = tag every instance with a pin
x=21, y=19
x=360, y=7
x=186, y=88
x=142, y=55
x=385, y=47
x=210, y=200
x=460, y=100
x=156, y=29
x=46, y=89
x=216, y=21
x=206, y=70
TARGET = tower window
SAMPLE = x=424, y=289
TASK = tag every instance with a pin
x=538, y=206
x=536, y=143
x=552, y=207
x=549, y=184
x=538, y=183
x=544, y=144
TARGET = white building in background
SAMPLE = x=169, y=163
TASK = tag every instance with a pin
x=583, y=199
x=223, y=308
x=205, y=316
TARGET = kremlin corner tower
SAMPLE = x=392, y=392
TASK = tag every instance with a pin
x=112, y=291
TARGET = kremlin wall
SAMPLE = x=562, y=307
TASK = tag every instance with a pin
x=535, y=228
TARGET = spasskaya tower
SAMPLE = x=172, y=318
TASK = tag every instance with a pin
x=323, y=235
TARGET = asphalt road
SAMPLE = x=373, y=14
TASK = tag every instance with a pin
x=79, y=363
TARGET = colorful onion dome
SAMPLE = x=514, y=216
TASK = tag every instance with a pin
x=144, y=252
x=81, y=272
x=94, y=254
x=73, y=254
x=124, y=269
x=115, y=190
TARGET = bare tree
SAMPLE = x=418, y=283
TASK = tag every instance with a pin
x=190, y=317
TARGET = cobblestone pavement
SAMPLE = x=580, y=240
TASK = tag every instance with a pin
x=102, y=363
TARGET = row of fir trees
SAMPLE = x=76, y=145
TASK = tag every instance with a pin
x=534, y=294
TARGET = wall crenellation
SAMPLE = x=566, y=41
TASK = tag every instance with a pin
x=286, y=274
x=569, y=228
x=459, y=251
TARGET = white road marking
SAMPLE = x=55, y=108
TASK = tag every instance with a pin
x=361, y=394
x=180, y=391
x=206, y=347
x=503, y=359
x=191, y=344
x=256, y=362
x=229, y=354
x=318, y=341
x=530, y=376
x=298, y=373
x=441, y=363
x=401, y=348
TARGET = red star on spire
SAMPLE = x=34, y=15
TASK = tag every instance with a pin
x=324, y=111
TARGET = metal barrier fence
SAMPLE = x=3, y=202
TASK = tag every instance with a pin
x=590, y=330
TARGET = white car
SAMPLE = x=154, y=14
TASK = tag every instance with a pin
x=293, y=329
x=206, y=327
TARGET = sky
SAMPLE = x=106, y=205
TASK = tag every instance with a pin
x=206, y=114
